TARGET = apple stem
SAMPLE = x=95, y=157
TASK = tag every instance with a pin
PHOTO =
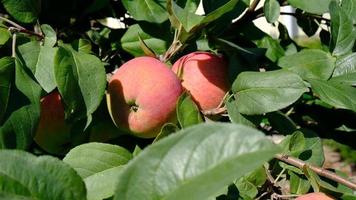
x=320, y=171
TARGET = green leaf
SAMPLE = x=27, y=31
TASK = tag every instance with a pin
x=274, y=49
x=345, y=65
x=349, y=8
x=40, y=60
x=99, y=164
x=81, y=80
x=315, y=6
x=147, y=10
x=4, y=35
x=82, y=45
x=313, y=152
x=342, y=30
x=29, y=177
x=271, y=8
x=210, y=155
x=298, y=183
x=335, y=94
x=188, y=112
x=6, y=76
x=309, y=63
x=257, y=177
x=235, y=116
x=18, y=131
x=23, y=11
x=281, y=122
x=131, y=43
x=262, y=92
x=191, y=5
x=166, y=130
x=26, y=84
x=294, y=143
x=189, y=20
x=49, y=34
x=91, y=158
x=246, y=189
x=349, y=79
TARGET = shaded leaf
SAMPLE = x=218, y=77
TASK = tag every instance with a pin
x=188, y=112
x=23, y=11
x=147, y=10
x=6, y=76
x=315, y=6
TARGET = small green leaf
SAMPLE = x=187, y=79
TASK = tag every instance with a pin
x=7, y=69
x=25, y=176
x=166, y=130
x=343, y=34
x=188, y=112
x=235, y=116
x=99, y=164
x=298, y=183
x=50, y=35
x=18, y=131
x=82, y=45
x=335, y=94
x=145, y=48
x=23, y=11
x=315, y=6
x=271, y=8
x=81, y=80
x=40, y=60
x=274, y=49
x=246, y=189
x=147, y=10
x=210, y=155
x=309, y=63
x=262, y=92
x=130, y=41
x=4, y=35
x=345, y=65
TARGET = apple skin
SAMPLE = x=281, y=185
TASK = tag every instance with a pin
x=205, y=76
x=142, y=96
x=314, y=196
x=53, y=133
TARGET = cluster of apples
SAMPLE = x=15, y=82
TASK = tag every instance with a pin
x=142, y=96
x=143, y=92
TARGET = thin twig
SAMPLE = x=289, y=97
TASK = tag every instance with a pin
x=11, y=22
x=320, y=171
x=19, y=28
x=13, y=45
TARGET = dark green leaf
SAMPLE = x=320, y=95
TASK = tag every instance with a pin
x=191, y=5
x=262, y=92
x=81, y=81
x=40, y=60
x=281, y=122
x=308, y=24
x=210, y=155
x=274, y=49
x=18, y=131
x=345, y=65
x=4, y=35
x=50, y=35
x=313, y=152
x=309, y=63
x=147, y=10
x=166, y=130
x=6, y=77
x=342, y=30
x=24, y=176
x=315, y=6
x=298, y=183
x=187, y=111
x=246, y=189
x=271, y=8
x=335, y=94
x=99, y=164
x=82, y=45
x=293, y=144
x=131, y=43
x=23, y=11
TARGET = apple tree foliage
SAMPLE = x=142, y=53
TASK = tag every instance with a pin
x=279, y=86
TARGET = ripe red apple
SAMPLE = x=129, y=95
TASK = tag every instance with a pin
x=53, y=133
x=205, y=76
x=142, y=96
x=314, y=196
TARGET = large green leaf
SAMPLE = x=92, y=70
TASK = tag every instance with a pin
x=309, y=63
x=195, y=163
x=349, y=7
x=81, y=80
x=131, y=43
x=40, y=60
x=342, y=30
x=25, y=176
x=349, y=79
x=6, y=77
x=262, y=92
x=345, y=65
x=24, y=11
x=99, y=165
x=315, y=6
x=187, y=111
x=18, y=131
x=335, y=94
x=147, y=10
x=271, y=8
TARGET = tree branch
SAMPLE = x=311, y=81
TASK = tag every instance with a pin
x=320, y=171
x=18, y=28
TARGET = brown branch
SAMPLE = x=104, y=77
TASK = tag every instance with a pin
x=18, y=28
x=320, y=171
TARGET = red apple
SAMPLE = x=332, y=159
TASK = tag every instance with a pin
x=205, y=76
x=142, y=96
x=314, y=196
x=53, y=133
